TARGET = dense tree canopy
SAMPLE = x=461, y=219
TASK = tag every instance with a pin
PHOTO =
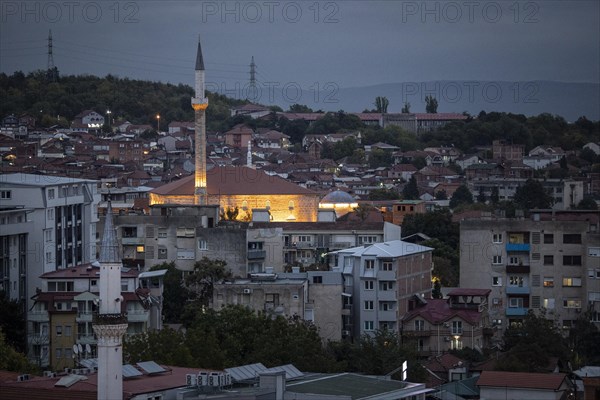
x=532, y=195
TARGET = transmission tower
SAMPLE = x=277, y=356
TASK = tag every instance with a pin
x=51, y=69
x=252, y=73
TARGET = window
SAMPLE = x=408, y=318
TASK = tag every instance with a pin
x=386, y=266
x=58, y=353
x=59, y=330
x=51, y=194
x=50, y=214
x=497, y=260
x=594, y=251
x=367, y=239
x=369, y=285
x=202, y=245
x=386, y=285
x=162, y=232
x=548, y=260
x=496, y=281
x=535, y=238
x=535, y=280
x=317, y=279
x=419, y=325
x=548, y=238
x=572, y=238
x=515, y=302
x=369, y=325
x=515, y=281
x=60, y=286
x=369, y=305
x=93, y=282
x=572, y=260
x=548, y=281
x=5, y=194
x=571, y=303
x=124, y=285
x=67, y=330
x=549, y=304
x=129, y=231
x=369, y=264
x=140, y=249
x=497, y=238
x=574, y=282
x=304, y=238
x=457, y=328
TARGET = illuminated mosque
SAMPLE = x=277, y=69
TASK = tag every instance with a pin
x=243, y=187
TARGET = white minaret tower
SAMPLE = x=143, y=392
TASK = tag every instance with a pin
x=199, y=104
x=249, y=155
x=110, y=323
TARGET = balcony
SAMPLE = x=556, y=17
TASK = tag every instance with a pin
x=304, y=245
x=517, y=269
x=137, y=316
x=256, y=254
x=516, y=311
x=518, y=247
x=418, y=333
x=86, y=339
x=84, y=316
x=386, y=295
x=387, y=316
x=38, y=338
x=38, y=316
x=340, y=245
x=132, y=240
x=517, y=290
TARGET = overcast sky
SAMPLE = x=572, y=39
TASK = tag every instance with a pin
x=349, y=43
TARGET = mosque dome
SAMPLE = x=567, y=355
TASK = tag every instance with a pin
x=337, y=197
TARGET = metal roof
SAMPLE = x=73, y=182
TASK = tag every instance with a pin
x=152, y=274
x=245, y=372
x=150, y=367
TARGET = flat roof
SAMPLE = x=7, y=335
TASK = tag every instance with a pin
x=40, y=180
x=348, y=384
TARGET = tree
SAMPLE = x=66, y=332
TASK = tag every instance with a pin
x=441, y=195
x=481, y=196
x=532, y=195
x=12, y=322
x=383, y=194
x=462, y=195
x=12, y=360
x=431, y=104
x=587, y=203
x=206, y=273
x=495, y=196
x=436, y=292
x=406, y=108
x=381, y=104
x=380, y=158
x=175, y=295
x=411, y=191
x=300, y=108
x=584, y=339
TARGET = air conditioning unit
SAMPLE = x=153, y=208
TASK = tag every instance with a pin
x=447, y=338
x=68, y=370
x=247, y=291
x=203, y=379
x=191, y=380
x=86, y=371
x=24, y=377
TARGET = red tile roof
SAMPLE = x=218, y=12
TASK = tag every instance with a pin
x=522, y=380
x=82, y=272
x=440, y=116
x=232, y=180
x=469, y=292
x=437, y=311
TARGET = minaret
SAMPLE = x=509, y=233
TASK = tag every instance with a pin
x=199, y=104
x=110, y=323
x=249, y=155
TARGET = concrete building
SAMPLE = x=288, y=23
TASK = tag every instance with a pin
x=314, y=296
x=549, y=261
x=47, y=223
x=379, y=280
x=438, y=325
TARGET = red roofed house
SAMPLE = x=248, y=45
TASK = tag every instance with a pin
x=440, y=325
x=239, y=136
x=501, y=385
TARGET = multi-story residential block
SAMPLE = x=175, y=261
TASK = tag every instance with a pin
x=124, y=151
x=314, y=296
x=439, y=325
x=379, y=280
x=47, y=223
x=507, y=151
x=63, y=310
x=550, y=261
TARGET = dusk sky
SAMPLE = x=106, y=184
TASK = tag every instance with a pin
x=349, y=43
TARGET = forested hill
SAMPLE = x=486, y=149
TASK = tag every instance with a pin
x=134, y=100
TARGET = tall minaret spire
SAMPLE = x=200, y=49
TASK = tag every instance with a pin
x=110, y=324
x=199, y=104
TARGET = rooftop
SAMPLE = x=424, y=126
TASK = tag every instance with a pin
x=522, y=380
x=393, y=248
x=40, y=180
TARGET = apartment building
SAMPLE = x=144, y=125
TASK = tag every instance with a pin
x=47, y=223
x=550, y=261
x=379, y=280
x=63, y=310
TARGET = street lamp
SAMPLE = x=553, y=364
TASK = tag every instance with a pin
x=158, y=122
x=108, y=112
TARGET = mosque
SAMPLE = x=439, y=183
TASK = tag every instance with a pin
x=230, y=187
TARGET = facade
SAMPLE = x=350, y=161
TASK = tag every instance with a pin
x=47, y=223
x=124, y=151
x=379, y=280
x=314, y=296
x=503, y=151
x=398, y=210
x=439, y=325
x=549, y=261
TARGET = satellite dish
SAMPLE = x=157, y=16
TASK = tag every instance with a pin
x=80, y=348
x=88, y=349
x=75, y=349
